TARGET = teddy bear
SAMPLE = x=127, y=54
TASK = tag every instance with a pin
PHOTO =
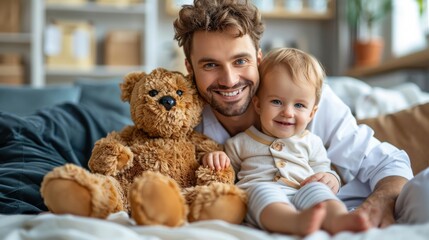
x=151, y=169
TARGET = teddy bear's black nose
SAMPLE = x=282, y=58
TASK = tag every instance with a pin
x=168, y=102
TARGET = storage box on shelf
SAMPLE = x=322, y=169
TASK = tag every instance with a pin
x=122, y=48
x=11, y=69
x=10, y=16
x=70, y=44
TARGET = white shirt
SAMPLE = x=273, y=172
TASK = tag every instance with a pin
x=360, y=159
x=257, y=157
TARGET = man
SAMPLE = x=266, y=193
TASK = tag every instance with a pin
x=220, y=39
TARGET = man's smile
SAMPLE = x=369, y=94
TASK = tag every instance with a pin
x=229, y=93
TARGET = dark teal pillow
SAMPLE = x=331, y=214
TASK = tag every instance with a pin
x=103, y=93
x=25, y=100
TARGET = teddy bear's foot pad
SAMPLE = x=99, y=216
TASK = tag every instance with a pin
x=229, y=208
x=156, y=200
x=64, y=196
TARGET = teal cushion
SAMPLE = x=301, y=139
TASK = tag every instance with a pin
x=25, y=100
x=103, y=93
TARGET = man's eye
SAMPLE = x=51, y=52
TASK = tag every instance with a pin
x=240, y=61
x=209, y=65
x=153, y=93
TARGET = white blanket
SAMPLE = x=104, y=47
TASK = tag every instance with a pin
x=119, y=226
x=366, y=101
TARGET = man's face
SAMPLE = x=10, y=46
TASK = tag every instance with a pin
x=225, y=70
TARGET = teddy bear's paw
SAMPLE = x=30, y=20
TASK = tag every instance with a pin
x=74, y=190
x=205, y=176
x=217, y=201
x=109, y=158
x=63, y=196
x=155, y=199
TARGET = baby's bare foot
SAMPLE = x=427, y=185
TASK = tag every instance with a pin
x=353, y=221
x=310, y=220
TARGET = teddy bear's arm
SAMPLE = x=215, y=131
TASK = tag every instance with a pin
x=110, y=155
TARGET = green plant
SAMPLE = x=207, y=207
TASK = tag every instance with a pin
x=364, y=14
x=422, y=6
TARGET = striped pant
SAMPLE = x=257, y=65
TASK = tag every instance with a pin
x=263, y=194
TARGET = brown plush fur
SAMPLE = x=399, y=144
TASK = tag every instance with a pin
x=151, y=169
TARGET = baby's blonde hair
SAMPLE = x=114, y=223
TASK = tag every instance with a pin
x=303, y=67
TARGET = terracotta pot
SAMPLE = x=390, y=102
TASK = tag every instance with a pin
x=368, y=53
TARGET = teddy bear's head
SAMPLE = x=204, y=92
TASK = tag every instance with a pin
x=163, y=103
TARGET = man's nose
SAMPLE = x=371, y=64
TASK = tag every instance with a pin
x=230, y=77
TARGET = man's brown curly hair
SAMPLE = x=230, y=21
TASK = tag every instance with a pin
x=217, y=15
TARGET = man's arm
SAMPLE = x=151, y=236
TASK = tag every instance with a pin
x=375, y=172
x=380, y=205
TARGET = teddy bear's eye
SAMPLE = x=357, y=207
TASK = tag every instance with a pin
x=179, y=92
x=153, y=93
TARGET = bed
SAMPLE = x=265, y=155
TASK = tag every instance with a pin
x=93, y=109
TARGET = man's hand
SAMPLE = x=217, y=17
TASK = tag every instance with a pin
x=327, y=178
x=380, y=205
x=216, y=160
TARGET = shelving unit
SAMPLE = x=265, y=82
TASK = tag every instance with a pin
x=138, y=16
x=278, y=11
x=28, y=42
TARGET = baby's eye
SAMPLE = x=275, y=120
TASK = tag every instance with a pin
x=276, y=102
x=299, y=105
x=153, y=93
x=179, y=92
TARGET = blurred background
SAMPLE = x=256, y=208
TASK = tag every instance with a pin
x=45, y=42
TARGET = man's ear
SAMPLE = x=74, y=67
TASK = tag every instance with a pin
x=259, y=56
x=256, y=104
x=188, y=67
x=314, y=111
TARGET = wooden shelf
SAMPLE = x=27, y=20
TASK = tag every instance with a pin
x=305, y=14
x=90, y=7
x=415, y=60
x=15, y=38
x=97, y=71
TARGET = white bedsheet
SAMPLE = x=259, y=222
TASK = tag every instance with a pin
x=119, y=226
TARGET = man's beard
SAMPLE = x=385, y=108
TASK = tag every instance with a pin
x=230, y=109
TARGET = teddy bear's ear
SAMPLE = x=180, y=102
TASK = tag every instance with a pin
x=130, y=81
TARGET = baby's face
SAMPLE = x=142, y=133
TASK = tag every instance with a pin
x=285, y=108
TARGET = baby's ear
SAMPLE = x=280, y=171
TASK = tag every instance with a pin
x=256, y=104
x=130, y=81
x=314, y=111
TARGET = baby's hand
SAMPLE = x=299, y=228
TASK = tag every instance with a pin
x=216, y=160
x=327, y=178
